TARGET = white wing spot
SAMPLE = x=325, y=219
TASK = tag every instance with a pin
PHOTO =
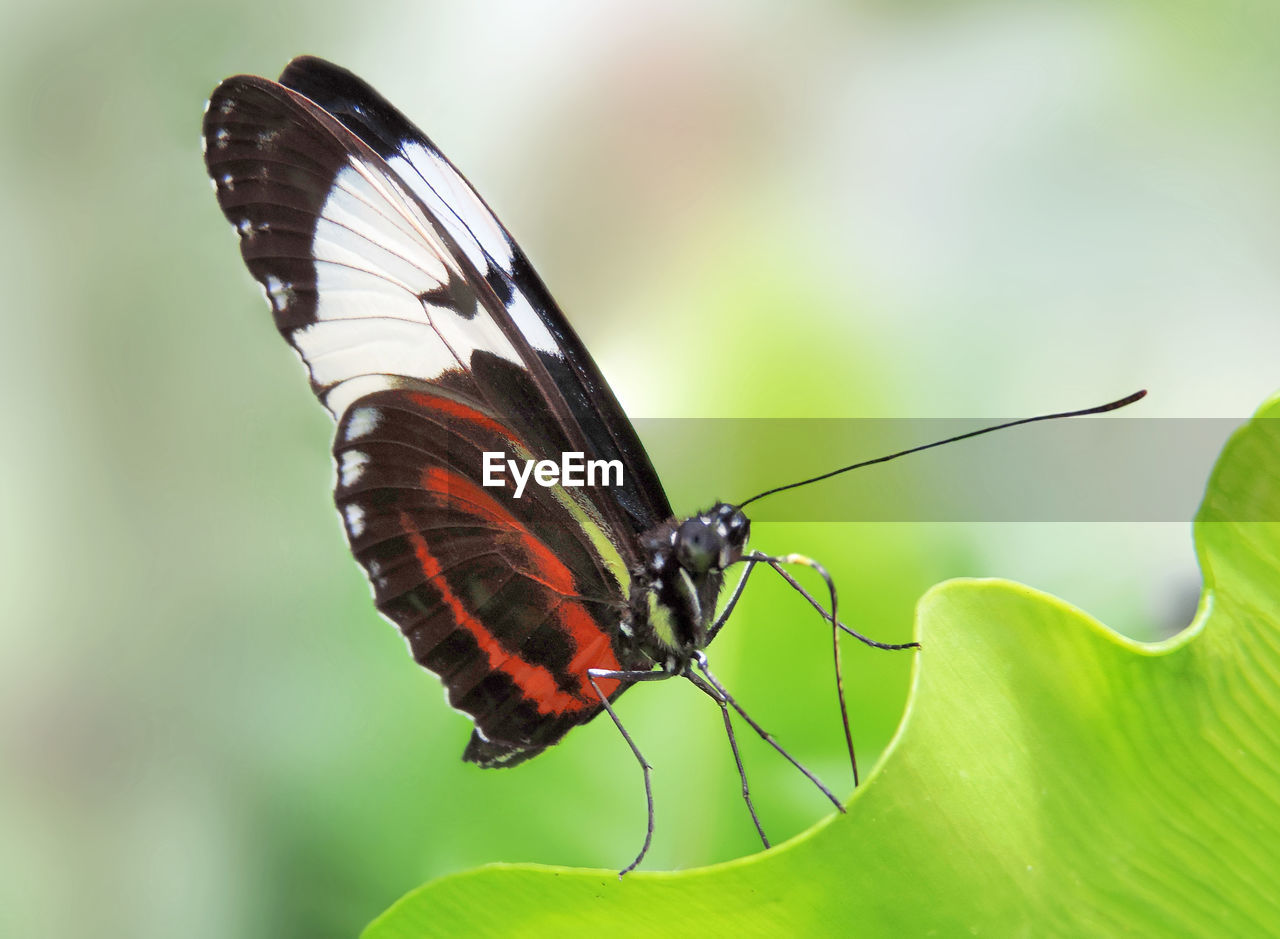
x=279, y=294
x=355, y=519
x=363, y=422
x=222, y=138
x=228, y=182
x=352, y=466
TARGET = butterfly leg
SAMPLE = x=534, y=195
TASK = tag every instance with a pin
x=733, y=744
x=700, y=659
x=715, y=627
x=776, y=564
x=630, y=676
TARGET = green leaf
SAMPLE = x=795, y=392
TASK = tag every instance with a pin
x=1050, y=777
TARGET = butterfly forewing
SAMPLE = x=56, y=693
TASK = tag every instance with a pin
x=569, y=382
x=349, y=260
x=426, y=334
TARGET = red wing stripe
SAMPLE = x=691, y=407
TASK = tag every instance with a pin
x=394, y=566
x=451, y=408
x=464, y=494
x=536, y=682
x=550, y=570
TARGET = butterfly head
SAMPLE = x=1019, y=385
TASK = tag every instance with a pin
x=712, y=540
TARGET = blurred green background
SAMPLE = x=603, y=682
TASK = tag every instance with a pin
x=966, y=209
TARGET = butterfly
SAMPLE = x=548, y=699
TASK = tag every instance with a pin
x=449, y=368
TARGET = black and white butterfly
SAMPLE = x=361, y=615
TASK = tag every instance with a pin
x=432, y=342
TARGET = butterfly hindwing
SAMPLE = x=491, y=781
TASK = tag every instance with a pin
x=510, y=607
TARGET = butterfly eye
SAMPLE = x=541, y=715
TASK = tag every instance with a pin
x=698, y=546
x=737, y=526
x=733, y=528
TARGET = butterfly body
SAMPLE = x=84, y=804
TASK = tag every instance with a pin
x=674, y=594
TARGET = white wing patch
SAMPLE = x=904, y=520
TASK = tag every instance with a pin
x=471, y=224
x=359, y=213
x=531, y=326
x=456, y=204
x=338, y=350
x=382, y=277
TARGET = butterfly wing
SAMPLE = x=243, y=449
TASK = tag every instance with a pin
x=573, y=385
x=508, y=601
x=427, y=335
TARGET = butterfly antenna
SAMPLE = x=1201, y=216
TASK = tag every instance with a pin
x=1110, y=406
